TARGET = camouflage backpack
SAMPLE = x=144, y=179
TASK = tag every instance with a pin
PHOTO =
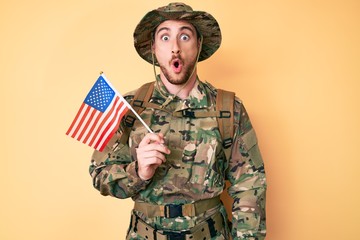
x=224, y=113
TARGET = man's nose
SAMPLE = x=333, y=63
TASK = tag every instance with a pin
x=175, y=48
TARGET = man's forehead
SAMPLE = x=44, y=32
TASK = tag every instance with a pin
x=168, y=24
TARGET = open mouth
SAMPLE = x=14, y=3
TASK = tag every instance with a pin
x=176, y=65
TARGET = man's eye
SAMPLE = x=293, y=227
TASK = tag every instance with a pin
x=165, y=38
x=184, y=37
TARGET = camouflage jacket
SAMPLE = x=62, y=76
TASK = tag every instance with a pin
x=196, y=168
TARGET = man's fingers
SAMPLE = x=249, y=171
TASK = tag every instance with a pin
x=153, y=162
x=153, y=147
x=148, y=166
x=152, y=137
x=148, y=155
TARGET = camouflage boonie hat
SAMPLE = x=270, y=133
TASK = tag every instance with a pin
x=205, y=24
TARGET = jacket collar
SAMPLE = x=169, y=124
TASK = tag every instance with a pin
x=197, y=98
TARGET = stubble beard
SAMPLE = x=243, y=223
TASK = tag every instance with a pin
x=179, y=80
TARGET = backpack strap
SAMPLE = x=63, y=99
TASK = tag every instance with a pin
x=141, y=97
x=225, y=105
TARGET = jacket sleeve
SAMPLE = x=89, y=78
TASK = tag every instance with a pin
x=248, y=183
x=113, y=171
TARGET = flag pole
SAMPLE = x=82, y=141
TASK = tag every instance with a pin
x=128, y=105
x=138, y=117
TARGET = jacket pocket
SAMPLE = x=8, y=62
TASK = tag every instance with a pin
x=207, y=168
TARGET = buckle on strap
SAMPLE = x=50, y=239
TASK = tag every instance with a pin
x=175, y=235
x=173, y=210
x=138, y=103
x=225, y=114
x=188, y=113
x=227, y=143
x=129, y=121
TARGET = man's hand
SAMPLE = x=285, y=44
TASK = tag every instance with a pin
x=151, y=154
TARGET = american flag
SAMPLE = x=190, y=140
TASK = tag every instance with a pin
x=99, y=115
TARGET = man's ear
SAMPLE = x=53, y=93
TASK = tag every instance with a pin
x=152, y=47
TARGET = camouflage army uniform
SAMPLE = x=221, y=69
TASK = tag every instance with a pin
x=196, y=168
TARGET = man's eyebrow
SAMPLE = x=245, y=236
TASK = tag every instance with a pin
x=187, y=28
x=162, y=29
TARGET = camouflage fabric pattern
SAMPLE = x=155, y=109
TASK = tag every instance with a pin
x=134, y=236
x=182, y=223
x=196, y=168
x=205, y=24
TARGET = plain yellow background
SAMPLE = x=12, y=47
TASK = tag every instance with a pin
x=295, y=64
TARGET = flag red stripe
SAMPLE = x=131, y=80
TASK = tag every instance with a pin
x=114, y=130
x=108, y=115
x=86, y=124
x=98, y=124
x=107, y=129
x=76, y=117
x=92, y=127
x=81, y=121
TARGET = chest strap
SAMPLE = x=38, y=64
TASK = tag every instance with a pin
x=176, y=210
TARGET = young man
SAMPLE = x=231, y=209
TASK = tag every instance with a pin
x=176, y=174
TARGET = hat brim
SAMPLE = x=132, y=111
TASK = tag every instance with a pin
x=204, y=22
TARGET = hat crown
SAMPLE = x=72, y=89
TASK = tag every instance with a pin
x=176, y=7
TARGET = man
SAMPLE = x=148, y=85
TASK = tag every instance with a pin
x=176, y=174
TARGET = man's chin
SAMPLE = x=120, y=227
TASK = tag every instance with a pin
x=176, y=79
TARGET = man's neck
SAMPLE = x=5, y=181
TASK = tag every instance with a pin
x=174, y=89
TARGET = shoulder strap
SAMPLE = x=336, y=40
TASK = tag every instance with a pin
x=225, y=104
x=142, y=95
